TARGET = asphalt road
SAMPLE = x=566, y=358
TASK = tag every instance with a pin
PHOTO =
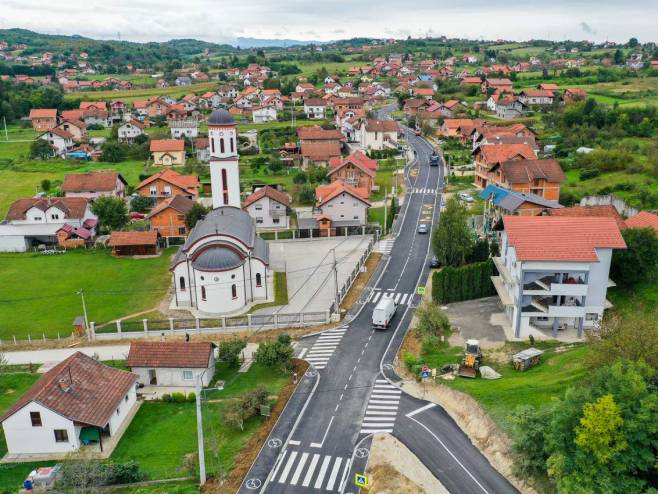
x=323, y=436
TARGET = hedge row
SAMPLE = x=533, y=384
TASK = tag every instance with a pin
x=463, y=283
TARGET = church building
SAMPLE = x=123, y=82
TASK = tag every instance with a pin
x=223, y=265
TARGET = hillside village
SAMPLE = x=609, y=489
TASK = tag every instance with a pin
x=188, y=234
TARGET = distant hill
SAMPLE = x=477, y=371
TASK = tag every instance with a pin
x=275, y=43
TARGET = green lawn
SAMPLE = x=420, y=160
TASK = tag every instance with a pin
x=556, y=372
x=114, y=287
x=280, y=292
x=137, y=94
x=602, y=184
x=145, y=441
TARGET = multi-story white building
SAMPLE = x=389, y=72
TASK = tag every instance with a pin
x=553, y=272
x=184, y=128
x=379, y=134
x=268, y=207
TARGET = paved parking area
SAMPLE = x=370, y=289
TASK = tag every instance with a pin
x=480, y=319
x=309, y=263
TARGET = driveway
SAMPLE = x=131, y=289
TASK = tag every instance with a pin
x=480, y=319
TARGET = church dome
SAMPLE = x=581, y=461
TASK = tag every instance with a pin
x=221, y=117
x=218, y=258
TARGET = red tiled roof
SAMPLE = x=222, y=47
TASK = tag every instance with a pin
x=554, y=238
x=94, y=390
x=358, y=159
x=73, y=207
x=325, y=193
x=92, y=181
x=525, y=171
x=64, y=134
x=548, y=85
x=538, y=93
x=43, y=113
x=73, y=114
x=266, y=191
x=497, y=153
x=188, y=182
x=176, y=354
x=381, y=125
x=317, y=133
x=603, y=211
x=122, y=239
x=159, y=145
x=643, y=219
x=178, y=202
x=320, y=150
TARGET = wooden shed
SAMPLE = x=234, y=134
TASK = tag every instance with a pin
x=134, y=243
x=526, y=359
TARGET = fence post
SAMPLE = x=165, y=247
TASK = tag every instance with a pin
x=92, y=330
x=29, y=338
x=145, y=322
x=15, y=340
x=301, y=318
x=119, y=328
x=171, y=325
x=276, y=235
x=249, y=322
x=363, y=230
x=223, y=321
x=197, y=324
x=294, y=234
x=310, y=232
x=44, y=336
x=276, y=321
x=327, y=316
x=57, y=335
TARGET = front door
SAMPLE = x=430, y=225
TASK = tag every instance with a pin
x=152, y=379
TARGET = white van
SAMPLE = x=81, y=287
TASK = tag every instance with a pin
x=383, y=313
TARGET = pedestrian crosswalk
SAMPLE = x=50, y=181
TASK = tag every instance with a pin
x=324, y=347
x=382, y=408
x=400, y=298
x=311, y=470
x=385, y=246
x=420, y=190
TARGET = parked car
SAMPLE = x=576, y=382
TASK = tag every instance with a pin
x=434, y=262
x=422, y=228
x=465, y=197
x=136, y=216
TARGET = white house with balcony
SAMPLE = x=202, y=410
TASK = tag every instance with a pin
x=554, y=273
x=268, y=207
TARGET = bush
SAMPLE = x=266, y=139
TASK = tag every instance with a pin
x=166, y=398
x=277, y=354
x=229, y=351
x=463, y=283
x=191, y=397
x=589, y=173
x=178, y=397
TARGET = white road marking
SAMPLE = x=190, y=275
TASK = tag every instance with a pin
x=294, y=443
x=288, y=467
x=421, y=409
x=299, y=469
x=372, y=431
x=334, y=474
x=311, y=469
x=322, y=472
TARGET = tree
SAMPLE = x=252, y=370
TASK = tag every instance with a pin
x=601, y=429
x=113, y=152
x=432, y=323
x=229, y=351
x=633, y=42
x=638, y=261
x=45, y=185
x=619, y=57
x=112, y=213
x=277, y=354
x=140, y=204
x=40, y=149
x=197, y=212
x=452, y=241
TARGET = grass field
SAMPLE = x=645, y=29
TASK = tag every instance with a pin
x=638, y=182
x=332, y=67
x=557, y=371
x=136, y=94
x=46, y=300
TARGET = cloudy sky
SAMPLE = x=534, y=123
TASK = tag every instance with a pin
x=224, y=21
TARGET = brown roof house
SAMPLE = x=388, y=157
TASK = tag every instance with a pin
x=318, y=145
x=43, y=118
x=168, y=183
x=80, y=404
x=168, y=217
x=94, y=184
x=168, y=152
x=172, y=363
x=269, y=207
x=134, y=243
x=379, y=134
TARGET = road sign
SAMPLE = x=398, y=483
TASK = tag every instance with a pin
x=425, y=371
x=420, y=290
x=360, y=480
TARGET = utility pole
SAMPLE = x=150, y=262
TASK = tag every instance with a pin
x=385, y=218
x=333, y=251
x=84, y=308
x=199, y=432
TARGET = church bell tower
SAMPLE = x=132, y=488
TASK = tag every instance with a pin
x=224, y=159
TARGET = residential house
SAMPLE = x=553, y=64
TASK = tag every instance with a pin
x=315, y=108
x=356, y=170
x=183, y=128
x=643, y=219
x=598, y=211
x=451, y=126
x=32, y=222
x=573, y=95
x=263, y=114
x=183, y=81
x=500, y=85
x=43, y=119
x=128, y=131
x=168, y=152
x=529, y=176
x=423, y=92
x=168, y=217
x=536, y=97
x=268, y=207
x=379, y=134
x=168, y=183
x=202, y=146
x=470, y=81
x=339, y=204
x=554, y=273
x=548, y=86
x=414, y=105
x=79, y=402
x=486, y=156
x=172, y=363
x=509, y=107
x=94, y=184
x=319, y=145
x=134, y=243
x=504, y=202
x=304, y=87
x=60, y=140
x=93, y=105
x=76, y=128
x=450, y=108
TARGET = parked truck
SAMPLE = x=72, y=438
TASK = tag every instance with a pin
x=383, y=313
x=434, y=159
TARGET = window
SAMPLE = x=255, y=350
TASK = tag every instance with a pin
x=167, y=190
x=225, y=186
x=54, y=216
x=591, y=316
x=180, y=217
x=234, y=291
x=61, y=436
x=153, y=190
x=181, y=283
x=275, y=221
x=221, y=145
x=187, y=375
x=125, y=398
x=118, y=411
x=230, y=140
x=181, y=230
x=212, y=145
x=258, y=207
x=232, y=276
x=258, y=279
x=203, y=293
x=259, y=220
x=35, y=417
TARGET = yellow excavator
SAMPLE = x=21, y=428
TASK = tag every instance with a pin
x=471, y=361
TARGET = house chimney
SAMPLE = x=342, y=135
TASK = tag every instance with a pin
x=64, y=385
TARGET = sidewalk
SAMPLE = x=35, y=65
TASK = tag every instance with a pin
x=56, y=355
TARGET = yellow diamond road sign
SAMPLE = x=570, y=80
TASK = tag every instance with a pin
x=421, y=290
x=360, y=480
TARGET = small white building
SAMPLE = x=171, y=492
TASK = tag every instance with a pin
x=341, y=204
x=184, y=128
x=263, y=114
x=553, y=272
x=510, y=107
x=379, y=134
x=78, y=403
x=59, y=139
x=268, y=207
x=315, y=108
x=172, y=363
x=128, y=131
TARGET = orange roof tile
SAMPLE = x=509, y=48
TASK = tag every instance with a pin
x=643, y=219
